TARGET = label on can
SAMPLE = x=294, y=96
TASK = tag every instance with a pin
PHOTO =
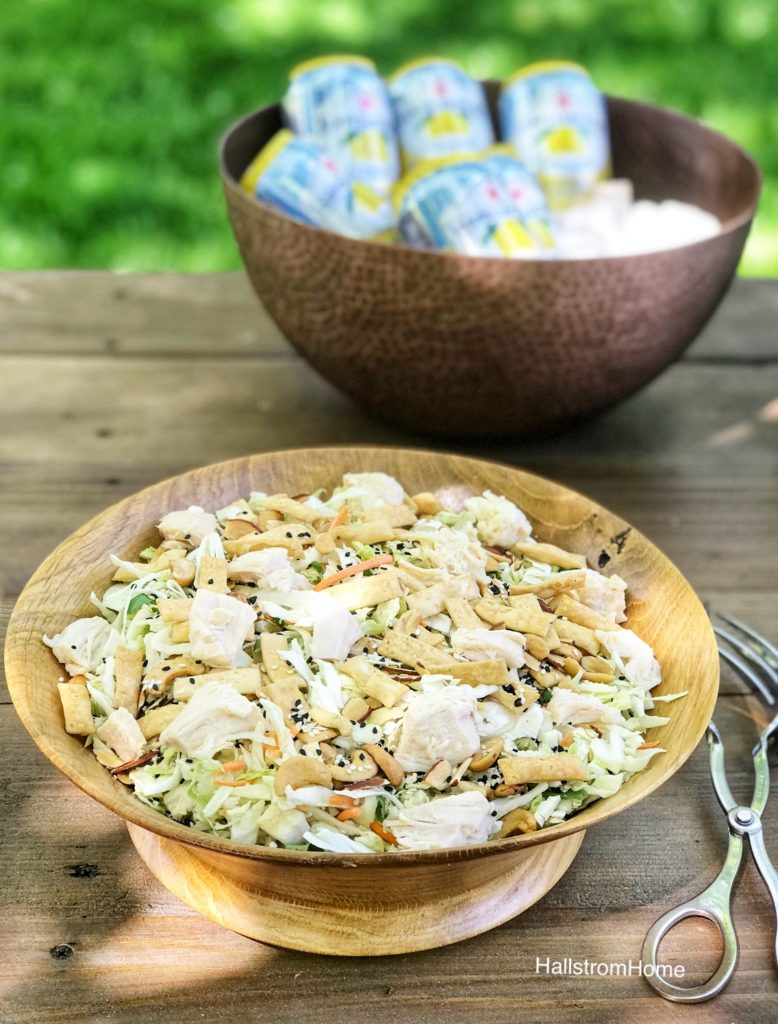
x=440, y=111
x=461, y=206
x=557, y=121
x=303, y=179
x=343, y=103
x=524, y=192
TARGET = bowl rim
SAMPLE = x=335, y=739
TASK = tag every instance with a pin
x=168, y=828
x=728, y=227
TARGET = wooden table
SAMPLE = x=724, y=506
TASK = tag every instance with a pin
x=110, y=382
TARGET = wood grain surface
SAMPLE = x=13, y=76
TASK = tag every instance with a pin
x=99, y=376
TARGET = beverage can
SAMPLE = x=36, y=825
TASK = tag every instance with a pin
x=460, y=205
x=343, y=103
x=556, y=119
x=304, y=180
x=440, y=111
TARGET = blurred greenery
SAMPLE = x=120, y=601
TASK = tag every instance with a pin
x=112, y=111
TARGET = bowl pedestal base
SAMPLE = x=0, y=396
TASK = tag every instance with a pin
x=303, y=908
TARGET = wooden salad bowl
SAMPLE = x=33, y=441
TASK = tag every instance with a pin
x=342, y=903
x=464, y=346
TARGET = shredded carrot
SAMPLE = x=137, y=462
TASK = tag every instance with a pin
x=348, y=813
x=648, y=746
x=353, y=570
x=339, y=519
x=566, y=741
x=234, y=766
x=383, y=833
x=341, y=800
x=221, y=781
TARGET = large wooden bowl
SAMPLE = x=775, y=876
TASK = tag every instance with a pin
x=372, y=903
x=462, y=346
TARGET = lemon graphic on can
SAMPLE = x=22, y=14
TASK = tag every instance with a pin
x=446, y=122
x=368, y=145
x=564, y=139
x=366, y=197
x=510, y=236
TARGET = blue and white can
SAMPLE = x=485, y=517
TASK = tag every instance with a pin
x=440, y=111
x=460, y=205
x=304, y=180
x=343, y=103
x=557, y=121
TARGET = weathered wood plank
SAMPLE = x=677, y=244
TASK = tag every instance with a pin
x=116, y=425
x=97, y=312
x=94, y=312
x=691, y=461
x=139, y=954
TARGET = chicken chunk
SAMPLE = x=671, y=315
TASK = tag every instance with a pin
x=335, y=630
x=439, y=725
x=218, y=625
x=640, y=665
x=189, y=525
x=379, y=488
x=604, y=594
x=271, y=568
x=216, y=716
x=569, y=708
x=121, y=732
x=499, y=522
x=458, y=820
x=481, y=644
x=83, y=644
x=458, y=555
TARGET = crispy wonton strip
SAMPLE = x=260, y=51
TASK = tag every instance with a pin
x=542, y=768
x=77, y=708
x=550, y=554
x=559, y=582
x=128, y=671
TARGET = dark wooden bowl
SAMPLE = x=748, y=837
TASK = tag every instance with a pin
x=341, y=903
x=467, y=346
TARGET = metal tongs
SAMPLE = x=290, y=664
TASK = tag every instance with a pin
x=755, y=660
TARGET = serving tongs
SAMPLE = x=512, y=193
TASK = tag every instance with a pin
x=755, y=659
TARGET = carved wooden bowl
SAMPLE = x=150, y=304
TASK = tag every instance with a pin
x=363, y=904
x=463, y=346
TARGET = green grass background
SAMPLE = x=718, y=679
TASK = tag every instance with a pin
x=111, y=111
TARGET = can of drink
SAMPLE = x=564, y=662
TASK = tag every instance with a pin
x=343, y=103
x=440, y=111
x=557, y=121
x=462, y=206
x=303, y=179
x=524, y=192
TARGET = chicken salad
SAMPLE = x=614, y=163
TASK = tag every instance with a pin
x=361, y=671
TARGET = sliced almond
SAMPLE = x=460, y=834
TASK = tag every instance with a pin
x=439, y=775
x=388, y=764
x=487, y=755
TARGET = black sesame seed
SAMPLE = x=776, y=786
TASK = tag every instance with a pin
x=210, y=581
x=289, y=534
x=166, y=668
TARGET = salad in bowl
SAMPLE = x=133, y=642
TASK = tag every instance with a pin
x=359, y=671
